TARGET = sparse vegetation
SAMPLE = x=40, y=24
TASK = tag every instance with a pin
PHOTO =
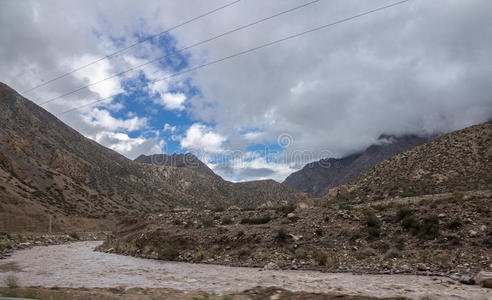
x=227, y=221
x=282, y=234
x=74, y=235
x=208, y=223
x=256, y=221
x=11, y=282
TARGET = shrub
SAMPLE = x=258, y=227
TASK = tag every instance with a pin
x=226, y=221
x=256, y=221
x=177, y=222
x=455, y=223
x=392, y=253
x=430, y=228
x=403, y=212
x=373, y=232
x=410, y=222
x=200, y=256
x=301, y=254
x=371, y=219
x=321, y=258
x=365, y=253
x=282, y=234
x=244, y=252
x=168, y=253
x=208, y=223
x=218, y=209
x=74, y=235
x=285, y=209
x=319, y=232
x=11, y=281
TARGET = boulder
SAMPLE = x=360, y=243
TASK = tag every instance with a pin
x=271, y=266
x=484, y=279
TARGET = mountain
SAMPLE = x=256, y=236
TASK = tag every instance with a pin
x=48, y=168
x=186, y=160
x=456, y=162
x=317, y=178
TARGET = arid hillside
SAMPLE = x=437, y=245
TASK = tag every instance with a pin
x=47, y=168
x=424, y=211
x=458, y=161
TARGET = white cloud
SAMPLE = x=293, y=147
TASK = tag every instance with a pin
x=104, y=120
x=169, y=128
x=202, y=138
x=130, y=147
x=251, y=166
x=172, y=101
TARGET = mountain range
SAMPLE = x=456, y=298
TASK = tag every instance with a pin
x=317, y=178
x=49, y=169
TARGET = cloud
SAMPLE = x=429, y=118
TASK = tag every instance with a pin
x=172, y=101
x=169, y=128
x=419, y=67
x=199, y=137
x=130, y=147
x=251, y=166
x=104, y=120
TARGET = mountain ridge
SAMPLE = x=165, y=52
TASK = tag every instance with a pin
x=48, y=168
x=317, y=178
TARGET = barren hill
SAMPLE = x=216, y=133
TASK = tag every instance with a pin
x=458, y=161
x=48, y=168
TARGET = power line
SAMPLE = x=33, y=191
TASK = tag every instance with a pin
x=247, y=51
x=131, y=46
x=183, y=49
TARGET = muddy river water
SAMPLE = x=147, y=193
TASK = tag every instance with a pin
x=77, y=265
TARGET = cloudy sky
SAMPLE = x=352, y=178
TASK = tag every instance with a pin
x=419, y=67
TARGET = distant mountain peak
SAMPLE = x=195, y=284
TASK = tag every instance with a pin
x=318, y=177
x=181, y=160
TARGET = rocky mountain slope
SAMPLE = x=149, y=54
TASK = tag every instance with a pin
x=186, y=160
x=318, y=177
x=458, y=161
x=47, y=168
x=424, y=211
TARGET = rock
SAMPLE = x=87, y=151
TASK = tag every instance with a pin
x=441, y=216
x=110, y=250
x=271, y=266
x=484, y=279
x=291, y=215
x=422, y=267
x=467, y=280
x=275, y=297
x=296, y=237
x=473, y=233
x=483, y=227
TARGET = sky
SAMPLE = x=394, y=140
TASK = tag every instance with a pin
x=421, y=67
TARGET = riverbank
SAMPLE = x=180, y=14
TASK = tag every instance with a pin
x=444, y=235
x=81, y=269
x=10, y=242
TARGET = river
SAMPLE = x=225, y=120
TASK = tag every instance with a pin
x=78, y=265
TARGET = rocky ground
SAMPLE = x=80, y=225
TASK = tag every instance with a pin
x=448, y=235
x=155, y=294
x=9, y=242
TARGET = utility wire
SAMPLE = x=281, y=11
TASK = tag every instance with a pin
x=131, y=46
x=183, y=49
x=247, y=51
